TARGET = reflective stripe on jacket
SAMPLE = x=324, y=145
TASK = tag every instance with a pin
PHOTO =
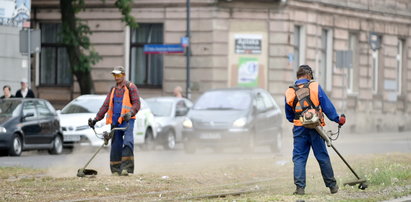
x=126, y=106
x=290, y=96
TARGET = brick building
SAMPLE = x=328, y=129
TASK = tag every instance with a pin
x=275, y=35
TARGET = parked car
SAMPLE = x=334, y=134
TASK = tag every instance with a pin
x=169, y=114
x=242, y=117
x=29, y=124
x=74, y=116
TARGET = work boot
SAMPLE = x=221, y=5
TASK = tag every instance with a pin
x=124, y=172
x=299, y=191
x=334, y=189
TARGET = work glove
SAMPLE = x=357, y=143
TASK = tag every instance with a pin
x=127, y=116
x=342, y=120
x=92, y=122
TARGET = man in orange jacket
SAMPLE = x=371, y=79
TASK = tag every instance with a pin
x=121, y=105
x=304, y=138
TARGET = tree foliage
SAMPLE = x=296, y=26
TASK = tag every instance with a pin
x=76, y=34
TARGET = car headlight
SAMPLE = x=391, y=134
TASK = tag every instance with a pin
x=159, y=127
x=240, y=122
x=187, y=123
x=3, y=130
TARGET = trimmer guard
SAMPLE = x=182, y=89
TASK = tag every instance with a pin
x=82, y=172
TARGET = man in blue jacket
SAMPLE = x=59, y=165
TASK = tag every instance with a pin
x=304, y=138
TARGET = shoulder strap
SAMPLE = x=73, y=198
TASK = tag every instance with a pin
x=306, y=96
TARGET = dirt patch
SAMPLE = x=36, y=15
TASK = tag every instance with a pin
x=241, y=177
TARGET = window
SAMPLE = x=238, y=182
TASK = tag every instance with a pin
x=29, y=108
x=299, y=46
x=400, y=57
x=259, y=103
x=375, y=69
x=375, y=55
x=325, y=73
x=146, y=69
x=54, y=61
x=353, y=72
x=43, y=109
x=268, y=101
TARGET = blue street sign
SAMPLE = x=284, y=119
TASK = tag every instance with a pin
x=163, y=48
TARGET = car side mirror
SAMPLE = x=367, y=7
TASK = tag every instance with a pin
x=181, y=111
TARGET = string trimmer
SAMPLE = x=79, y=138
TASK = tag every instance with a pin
x=82, y=172
x=327, y=136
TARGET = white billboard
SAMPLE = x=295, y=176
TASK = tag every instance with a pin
x=14, y=12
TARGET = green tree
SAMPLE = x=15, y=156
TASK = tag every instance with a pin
x=76, y=38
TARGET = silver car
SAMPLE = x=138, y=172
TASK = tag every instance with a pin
x=169, y=114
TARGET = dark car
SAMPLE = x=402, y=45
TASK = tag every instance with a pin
x=242, y=117
x=169, y=114
x=29, y=124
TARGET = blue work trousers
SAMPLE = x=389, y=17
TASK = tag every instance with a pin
x=122, y=144
x=304, y=138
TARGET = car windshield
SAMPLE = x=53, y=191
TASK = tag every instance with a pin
x=91, y=105
x=160, y=108
x=9, y=107
x=223, y=100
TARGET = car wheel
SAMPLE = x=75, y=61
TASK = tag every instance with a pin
x=278, y=143
x=16, y=146
x=189, y=147
x=170, y=141
x=149, y=141
x=57, y=145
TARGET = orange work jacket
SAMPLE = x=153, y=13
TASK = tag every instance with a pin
x=126, y=106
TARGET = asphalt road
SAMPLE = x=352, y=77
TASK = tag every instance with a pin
x=161, y=160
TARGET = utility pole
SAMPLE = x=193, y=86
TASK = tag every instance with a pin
x=188, y=52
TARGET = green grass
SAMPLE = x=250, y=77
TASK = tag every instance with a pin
x=386, y=173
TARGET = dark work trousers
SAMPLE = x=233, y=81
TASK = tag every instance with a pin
x=122, y=144
x=304, y=138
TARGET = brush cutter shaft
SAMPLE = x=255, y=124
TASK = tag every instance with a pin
x=346, y=163
x=320, y=131
x=98, y=150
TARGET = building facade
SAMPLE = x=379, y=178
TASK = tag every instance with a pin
x=360, y=51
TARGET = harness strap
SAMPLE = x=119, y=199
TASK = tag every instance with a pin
x=302, y=100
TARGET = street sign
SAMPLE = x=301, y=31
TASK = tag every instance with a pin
x=163, y=48
x=34, y=41
x=344, y=59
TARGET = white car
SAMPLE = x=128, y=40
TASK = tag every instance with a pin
x=74, y=123
x=169, y=114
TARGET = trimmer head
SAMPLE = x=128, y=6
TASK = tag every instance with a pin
x=362, y=183
x=82, y=172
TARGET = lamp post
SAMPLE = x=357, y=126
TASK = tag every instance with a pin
x=188, y=51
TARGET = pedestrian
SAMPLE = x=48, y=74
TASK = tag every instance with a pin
x=121, y=105
x=178, y=92
x=6, y=92
x=306, y=138
x=24, y=91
